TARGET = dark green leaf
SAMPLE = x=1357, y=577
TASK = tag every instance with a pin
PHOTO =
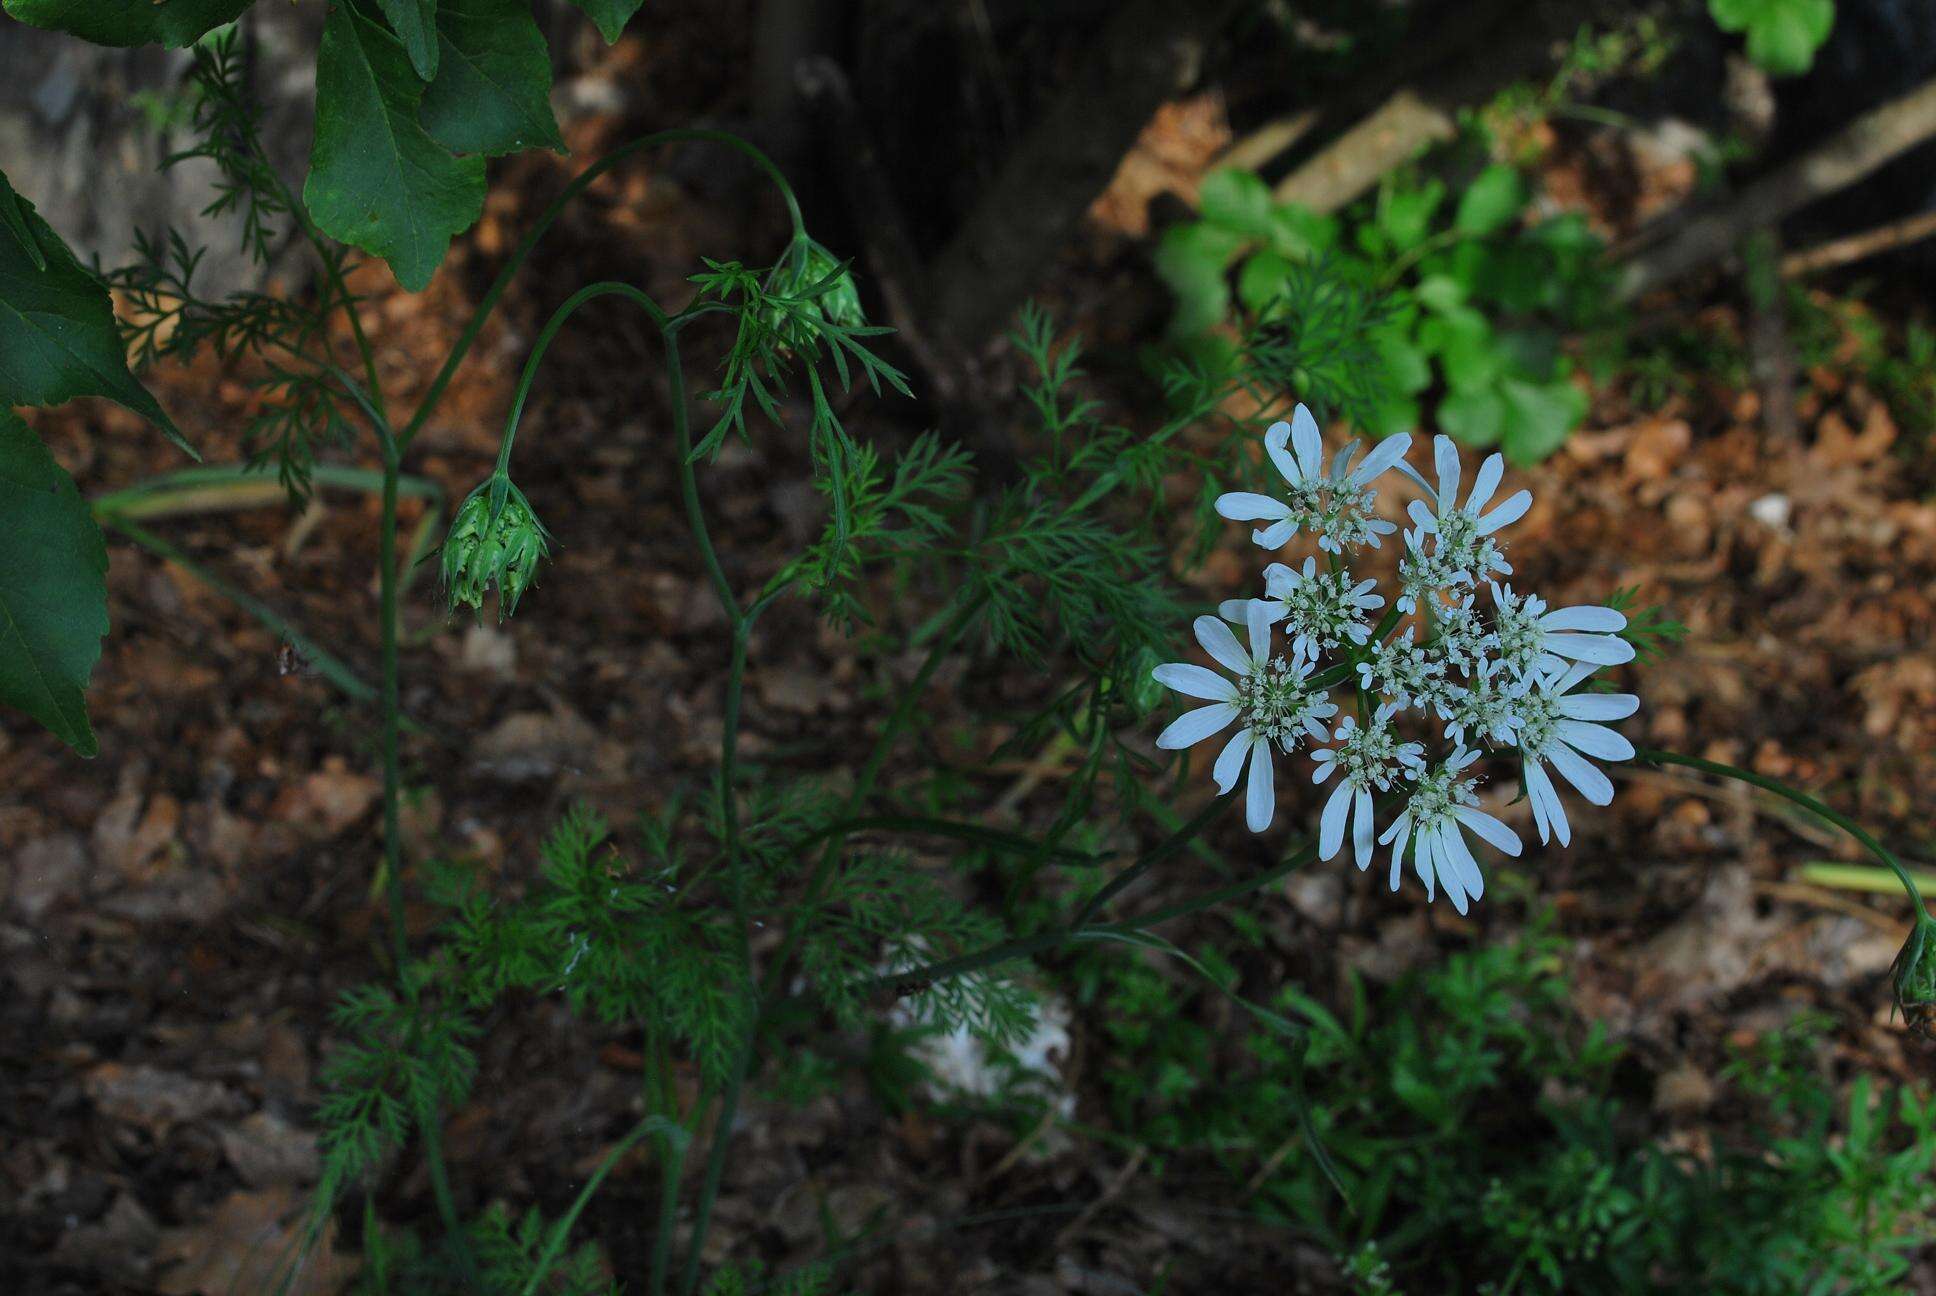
x=53, y=589
x=58, y=339
x=174, y=23
x=1538, y=417
x=610, y=15
x=493, y=92
x=1473, y=417
x=1238, y=201
x=1466, y=346
x=1490, y=202
x=1191, y=259
x=1405, y=215
x=1783, y=35
x=1262, y=279
x=415, y=23
x=1300, y=232
x=375, y=178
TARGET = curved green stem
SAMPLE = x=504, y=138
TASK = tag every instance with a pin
x=1821, y=811
x=435, y=392
x=547, y=335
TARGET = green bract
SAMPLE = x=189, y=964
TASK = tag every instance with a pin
x=818, y=275
x=1915, y=974
x=495, y=539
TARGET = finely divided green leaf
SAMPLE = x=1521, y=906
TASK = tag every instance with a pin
x=376, y=179
x=57, y=334
x=174, y=23
x=415, y=23
x=492, y=94
x=610, y=15
x=53, y=589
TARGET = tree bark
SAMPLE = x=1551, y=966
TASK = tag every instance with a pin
x=1148, y=52
x=1851, y=154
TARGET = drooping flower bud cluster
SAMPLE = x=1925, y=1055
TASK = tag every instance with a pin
x=495, y=540
x=1469, y=661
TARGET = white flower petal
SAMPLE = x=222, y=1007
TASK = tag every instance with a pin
x=1599, y=706
x=1486, y=482
x=1398, y=830
x=1230, y=761
x=1382, y=456
x=1425, y=863
x=1195, y=681
x=1277, y=439
x=1260, y=797
x=1592, y=620
x=1601, y=650
x=1510, y=510
x=1331, y=824
x=1306, y=442
x=1275, y=535
x=1548, y=813
x=1595, y=740
x=1246, y=506
x=1445, y=456
x=1489, y=829
x=1193, y=727
x=1362, y=827
x=1217, y=640
x=1593, y=785
x=1259, y=624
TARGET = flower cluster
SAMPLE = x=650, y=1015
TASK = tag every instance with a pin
x=1463, y=657
x=495, y=539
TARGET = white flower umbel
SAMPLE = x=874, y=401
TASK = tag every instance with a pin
x=1462, y=533
x=1334, y=506
x=1408, y=672
x=1439, y=806
x=1487, y=710
x=1366, y=759
x=1269, y=699
x=1562, y=728
x=1533, y=641
x=1322, y=610
x=1467, y=671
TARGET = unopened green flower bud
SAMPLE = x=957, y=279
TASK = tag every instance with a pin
x=495, y=539
x=837, y=302
x=1145, y=693
x=1915, y=976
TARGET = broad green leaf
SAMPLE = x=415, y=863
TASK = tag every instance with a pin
x=1405, y=215
x=1300, y=232
x=610, y=15
x=492, y=94
x=1466, y=346
x=1440, y=293
x=376, y=179
x=1538, y=417
x=1191, y=259
x=1490, y=202
x=174, y=23
x=1406, y=363
x=1236, y=200
x=1783, y=35
x=1475, y=417
x=58, y=339
x=415, y=23
x=53, y=589
x=1262, y=279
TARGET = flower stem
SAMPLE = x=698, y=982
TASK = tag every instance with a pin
x=579, y=184
x=1821, y=811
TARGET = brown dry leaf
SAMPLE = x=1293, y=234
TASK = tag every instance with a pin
x=150, y=1097
x=328, y=800
x=250, y=1242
